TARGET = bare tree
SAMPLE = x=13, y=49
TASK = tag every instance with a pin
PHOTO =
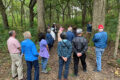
x=41, y=21
x=98, y=13
x=4, y=15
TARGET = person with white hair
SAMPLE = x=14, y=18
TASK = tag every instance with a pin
x=80, y=46
x=70, y=34
x=100, y=42
x=14, y=49
x=31, y=55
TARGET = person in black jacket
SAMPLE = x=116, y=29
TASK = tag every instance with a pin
x=80, y=46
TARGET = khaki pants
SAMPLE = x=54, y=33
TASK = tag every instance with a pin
x=17, y=66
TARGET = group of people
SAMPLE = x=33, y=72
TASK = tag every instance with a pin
x=69, y=42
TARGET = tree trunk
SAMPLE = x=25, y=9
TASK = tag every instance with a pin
x=84, y=15
x=31, y=16
x=22, y=12
x=63, y=15
x=4, y=15
x=117, y=36
x=98, y=13
x=41, y=21
x=50, y=17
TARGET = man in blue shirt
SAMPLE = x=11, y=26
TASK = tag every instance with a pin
x=70, y=34
x=100, y=42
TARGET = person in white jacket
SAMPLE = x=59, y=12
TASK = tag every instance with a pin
x=53, y=34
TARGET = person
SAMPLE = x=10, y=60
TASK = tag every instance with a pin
x=53, y=34
x=49, y=39
x=74, y=31
x=89, y=27
x=64, y=52
x=14, y=49
x=80, y=46
x=44, y=52
x=54, y=28
x=61, y=29
x=29, y=50
x=70, y=34
x=100, y=42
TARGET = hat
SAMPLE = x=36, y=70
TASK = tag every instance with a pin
x=100, y=26
x=79, y=31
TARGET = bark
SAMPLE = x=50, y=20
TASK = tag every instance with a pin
x=31, y=16
x=4, y=15
x=41, y=21
x=98, y=13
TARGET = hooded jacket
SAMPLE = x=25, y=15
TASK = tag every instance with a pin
x=64, y=48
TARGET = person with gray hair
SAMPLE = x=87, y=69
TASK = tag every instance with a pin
x=70, y=34
x=29, y=50
x=80, y=46
x=49, y=39
x=14, y=49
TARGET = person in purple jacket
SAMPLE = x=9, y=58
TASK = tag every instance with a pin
x=44, y=52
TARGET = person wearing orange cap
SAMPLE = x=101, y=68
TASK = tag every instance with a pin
x=100, y=42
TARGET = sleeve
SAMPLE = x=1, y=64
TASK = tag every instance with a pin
x=34, y=50
x=17, y=44
x=22, y=48
x=73, y=47
x=70, y=50
x=58, y=49
x=95, y=38
x=85, y=44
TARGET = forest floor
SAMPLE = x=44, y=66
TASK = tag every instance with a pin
x=109, y=72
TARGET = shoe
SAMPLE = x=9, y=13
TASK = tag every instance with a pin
x=95, y=70
x=44, y=71
x=84, y=70
x=15, y=77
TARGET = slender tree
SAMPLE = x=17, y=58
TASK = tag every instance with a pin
x=4, y=15
x=117, y=34
x=31, y=16
x=40, y=11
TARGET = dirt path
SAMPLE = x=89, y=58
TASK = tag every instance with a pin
x=106, y=73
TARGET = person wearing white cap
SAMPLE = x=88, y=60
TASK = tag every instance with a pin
x=80, y=46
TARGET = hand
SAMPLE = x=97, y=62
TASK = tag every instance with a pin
x=79, y=54
x=64, y=58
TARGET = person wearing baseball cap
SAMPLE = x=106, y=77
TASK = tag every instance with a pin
x=100, y=42
x=80, y=46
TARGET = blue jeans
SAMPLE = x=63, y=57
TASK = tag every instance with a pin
x=61, y=64
x=44, y=63
x=29, y=69
x=99, y=52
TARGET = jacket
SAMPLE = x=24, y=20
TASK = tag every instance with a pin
x=100, y=40
x=80, y=45
x=70, y=35
x=64, y=48
x=49, y=39
x=29, y=50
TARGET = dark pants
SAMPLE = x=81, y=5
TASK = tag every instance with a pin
x=50, y=46
x=61, y=64
x=29, y=69
x=76, y=62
